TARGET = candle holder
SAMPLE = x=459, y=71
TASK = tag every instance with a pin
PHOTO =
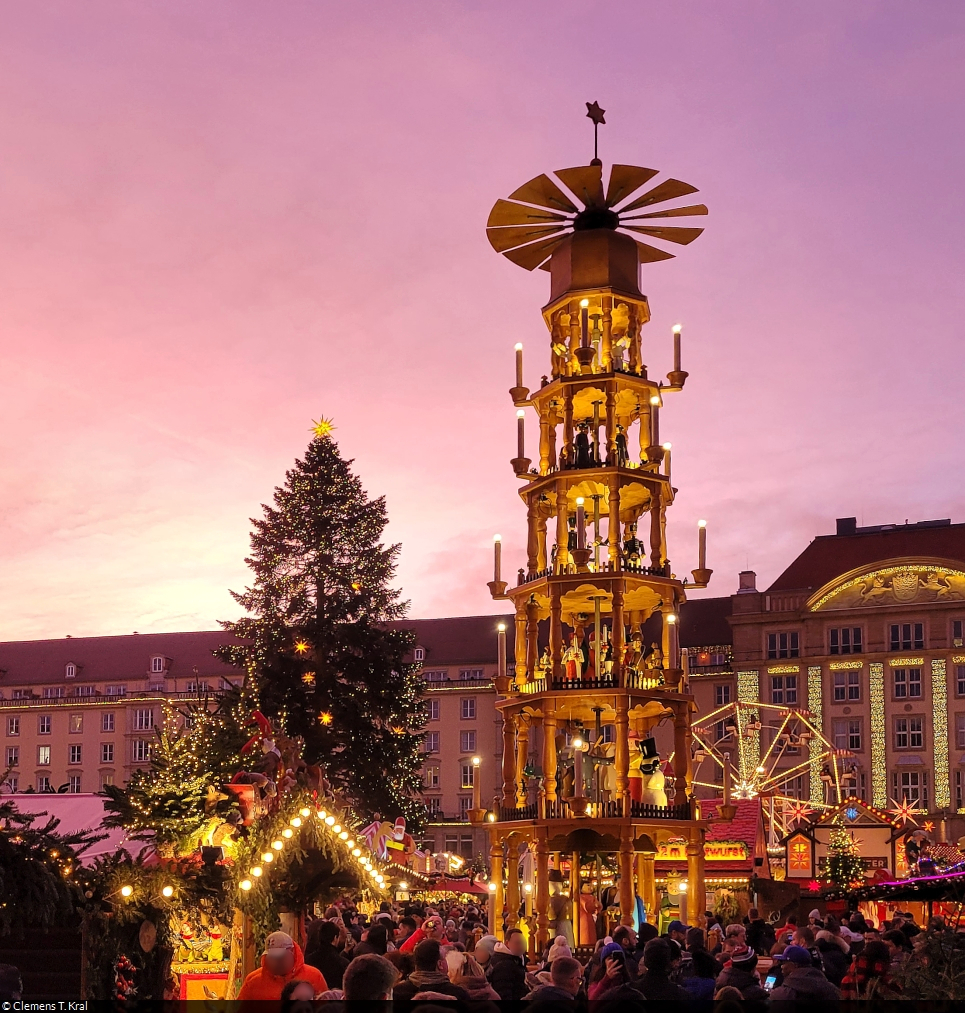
x=476, y=816
x=701, y=577
x=655, y=455
x=497, y=588
x=726, y=812
x=520, y=395
x=521, y=466
x=579, y=806
x=677, y=378
x=581, y=557
x=585, y=356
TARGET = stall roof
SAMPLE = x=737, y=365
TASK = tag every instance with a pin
x=77, y=812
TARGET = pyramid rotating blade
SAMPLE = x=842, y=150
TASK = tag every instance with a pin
x=691, y=209
x=667, y=190
x=510, y=238
x=544, y=192
x=671, y=235
x=505, y=212
x=624, y=179
x=648, y=254
x=533, y=255
x=586, y=181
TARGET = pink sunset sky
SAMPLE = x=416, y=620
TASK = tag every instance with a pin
x=223, y=219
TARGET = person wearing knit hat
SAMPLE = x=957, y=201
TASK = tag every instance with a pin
x=484, y=949
x=560, y=948
x=740, y=972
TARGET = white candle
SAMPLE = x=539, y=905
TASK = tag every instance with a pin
x=676, y=348
x=580, y=524
x=497, y=557
x=501, y=652
x=578, y=768
x=701, y=545
x=726, y=778
x=666, y=458
x=520, y=434
x=674, y=660
x=654, y=421
x=519, y=365
x=584, y=323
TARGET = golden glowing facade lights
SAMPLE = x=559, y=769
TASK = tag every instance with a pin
x=167, y=891
x=245, y=884
x=126, y=891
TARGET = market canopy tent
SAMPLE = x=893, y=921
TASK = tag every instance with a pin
x=77, y=812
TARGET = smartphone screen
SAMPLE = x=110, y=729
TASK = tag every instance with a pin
x=770, y=981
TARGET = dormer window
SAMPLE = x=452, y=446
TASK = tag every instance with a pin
x=70, y=670
x=158, y=663
x=420, y=654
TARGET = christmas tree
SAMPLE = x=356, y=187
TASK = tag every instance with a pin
x=844, y=862
x=320, y=633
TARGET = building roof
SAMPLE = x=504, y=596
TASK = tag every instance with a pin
x=830, y=556
x=461, y=639
x=703, y=622
x=100, y=659
x=745, y=826
x=77, y=812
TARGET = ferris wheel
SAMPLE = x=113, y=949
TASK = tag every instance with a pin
x=773, y=753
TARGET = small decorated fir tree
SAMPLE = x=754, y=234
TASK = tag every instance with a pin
x=844, y=862
x=320, y=633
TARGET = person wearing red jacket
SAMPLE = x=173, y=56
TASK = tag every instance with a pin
x=282, y=962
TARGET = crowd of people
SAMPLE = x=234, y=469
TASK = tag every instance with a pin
x=430, y=954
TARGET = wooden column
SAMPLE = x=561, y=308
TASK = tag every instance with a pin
x=611, y=423
x=607, y=343
x=681, y=747
x=532, y=638
x=554, y=421
x=532, y=535
x=544, y=443
x=542, y=552
x=509, y=759
x=626, y=877
x=520, y=649
x=522, y=753
x=649, y=893
x=549, y=757
x=616, y=636
x=613, y=529
x=542, y=890
x=496, y=896
x=621, y=759
x=633, y=333
x=655, y=536
x=571, y=363
x=696, y=890
x=568, y=429
x=562, y=552
x=556, y=631
x=575, y=896
x=512, y=883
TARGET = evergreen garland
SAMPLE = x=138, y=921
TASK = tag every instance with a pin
x=322, y=634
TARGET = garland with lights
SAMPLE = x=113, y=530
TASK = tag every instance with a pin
x=845, y=868
x=321, y=634
x=38, y=871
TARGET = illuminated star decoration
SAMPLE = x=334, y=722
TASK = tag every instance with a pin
x=323, y=427
x=797, y=812
x=814, y=886
x=308, y=678
x=928, y=826
x=301, y=646
x=903, y=811
x=325, y=718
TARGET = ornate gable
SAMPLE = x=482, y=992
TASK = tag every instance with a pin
x=892, y=582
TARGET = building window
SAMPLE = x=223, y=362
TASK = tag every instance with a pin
x=74, y=753
x=845, y=640
x=466, y=847
x=433, y=710
x=23, y=694
x=471, y=674
x=722, y=694
x=907, y=683
x=465, y=804
x=157, y=664
x=431, y=777
x=784, y=689
x=140, y=750
x=439, y=675
x=958, y=790
x=83, y=691
x=960, y=731
x=847, y=735
x=908, y=733
x=144, y=719
x=783, y=645
x=116, y=691
x=793, y=787
x=13, y=726
x=907, y=636
x=468, y=775
x=73, y=784
x=957, y=631
x=43, y=724
x=43, y=756
x=419, y=654
x=70, y=670
x=432, y=742
x=43, y=783
x=13, y=756
x=76, y=723
x=53, y=692
x=434, y=805
x=107, y=752
x=847, y=685
x=911, y=786
x=467, y=742
x=960, y=679
x=107, y=722
x=468, y=712
x=11, y=786
x=106, y=779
